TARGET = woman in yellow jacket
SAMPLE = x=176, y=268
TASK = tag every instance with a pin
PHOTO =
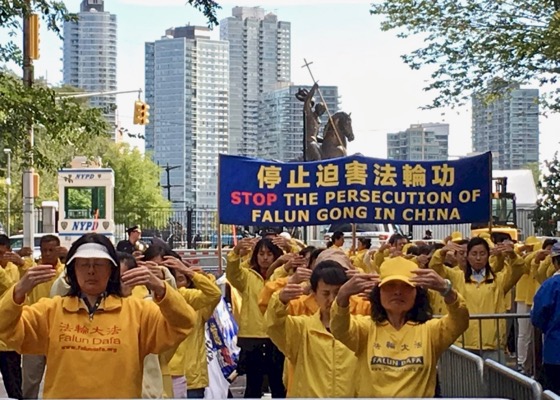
x=259, y=356
x=324, y=367
x=10, y=361
x=190, y=359
x=484, y=291
x=399, y=345
x=90, y=334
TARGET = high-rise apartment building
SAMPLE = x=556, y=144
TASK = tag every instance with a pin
x=259, y=61
x=428, y=141
x=90, y=55
x=281, y=122
x=508, y=126
x=187, y=83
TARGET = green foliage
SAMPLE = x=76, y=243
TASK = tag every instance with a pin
x=470, y=42
x=58, y=123
x=547, y=213
x=208, y=8
x=53, y=13
x=138, y=197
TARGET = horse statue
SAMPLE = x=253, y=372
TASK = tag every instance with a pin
x=334, y=145
x=330, y=145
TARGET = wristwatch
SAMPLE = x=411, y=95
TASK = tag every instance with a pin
x=448, y=288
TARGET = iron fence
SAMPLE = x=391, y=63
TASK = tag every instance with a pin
x=15, y=224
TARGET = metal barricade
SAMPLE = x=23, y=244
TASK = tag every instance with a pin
x=506, y=327
x=548, y=395
x=461, y=374
x=501, y=381
x=209, y=263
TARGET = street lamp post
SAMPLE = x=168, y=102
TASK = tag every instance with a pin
x=8, y=153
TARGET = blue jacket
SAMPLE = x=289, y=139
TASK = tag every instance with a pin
x=546, y=316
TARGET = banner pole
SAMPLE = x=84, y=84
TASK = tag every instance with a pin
x=354, y=238
x=490, y=220
x=220, y=266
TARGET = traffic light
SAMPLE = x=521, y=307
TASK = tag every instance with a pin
x=33, y=37
x=141, y=113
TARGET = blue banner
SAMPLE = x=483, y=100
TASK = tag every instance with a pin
x=354, y=189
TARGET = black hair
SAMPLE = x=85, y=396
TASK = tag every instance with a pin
x=462, y=242
x=395, y=238
x=330, y=272
x=420, y=312
x=275, y=250
x=366, y=242
x=425, y=250
x=499, y=237
x=549, y=242
x=307, y=250
x=413, y=250
x=114, y=284
x=5, y=241
x=154, y=251
x=556, y=260
x=438, y=246
x=314, y=254
x=336, y=235
x=127, y=259
x=49, y=239
x=478, y=241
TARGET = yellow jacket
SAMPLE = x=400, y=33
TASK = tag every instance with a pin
x=9, y=276
x=324, y=366
x=110, y=344
x=249, y=283
x=545, y=269
x=399, y=363
x=190, y=359
x=279, y=273
x=483, y=298
x=358, y=260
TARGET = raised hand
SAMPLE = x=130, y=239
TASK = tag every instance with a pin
x=429, y=279
x=359, y=283
x=178, y=265
x=13, y=258
x=244, y=247
x=290, y=292
x=34, y=276
x=143, y=276
x=301, y=275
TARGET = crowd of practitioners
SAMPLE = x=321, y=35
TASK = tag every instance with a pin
x=312, y=322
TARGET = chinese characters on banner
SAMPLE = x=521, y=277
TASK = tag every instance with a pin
x=354, y=189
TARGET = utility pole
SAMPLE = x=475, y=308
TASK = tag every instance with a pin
x=8, y=153
x=28, y=78
x=169, y=186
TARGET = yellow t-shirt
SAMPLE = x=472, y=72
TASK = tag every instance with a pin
x=398, y=363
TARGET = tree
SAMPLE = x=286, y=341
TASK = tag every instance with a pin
x=547, y=213
x=138, y=197
x=57, y=122
x=470, y=42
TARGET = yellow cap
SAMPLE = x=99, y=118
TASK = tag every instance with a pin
x=456, y=236
x=532, y=240
x=397, y=268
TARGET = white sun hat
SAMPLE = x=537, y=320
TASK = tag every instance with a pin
x=92, y=250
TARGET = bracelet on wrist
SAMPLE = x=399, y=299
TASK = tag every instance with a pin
x=448, y=288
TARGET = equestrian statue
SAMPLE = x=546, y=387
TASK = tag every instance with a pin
x=336, y=133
